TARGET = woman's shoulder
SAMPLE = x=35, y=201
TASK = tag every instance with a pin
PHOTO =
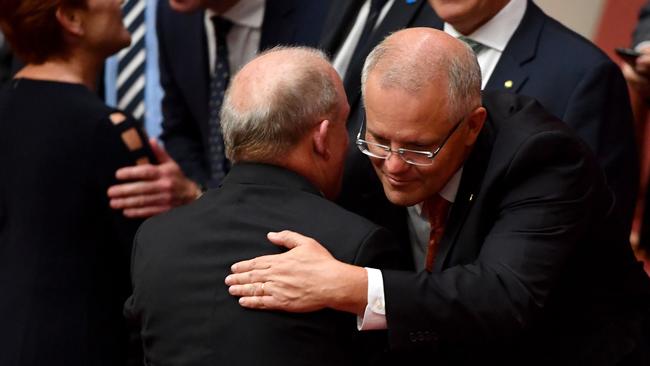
x=61, y=100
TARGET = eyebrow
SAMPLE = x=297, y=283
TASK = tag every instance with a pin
x=407, y=144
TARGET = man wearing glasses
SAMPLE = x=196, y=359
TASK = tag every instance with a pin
x=519, y=260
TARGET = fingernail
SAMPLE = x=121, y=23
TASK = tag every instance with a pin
x=228, y=278
x=233, y=268
x=272, y=233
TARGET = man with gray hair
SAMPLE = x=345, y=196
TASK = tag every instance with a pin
x=283, y=122
x=519, y=259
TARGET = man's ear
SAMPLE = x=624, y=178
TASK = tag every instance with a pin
x=475, y=122
x=70, y=20
x=320, y=139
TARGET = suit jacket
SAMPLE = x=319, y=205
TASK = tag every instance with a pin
x=180, y=261
x=184, y=71
x=534, y=266
x=579, y=84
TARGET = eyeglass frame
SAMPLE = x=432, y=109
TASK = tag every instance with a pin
x=400, y=151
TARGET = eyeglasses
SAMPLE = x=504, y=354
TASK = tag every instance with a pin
x=413, y=157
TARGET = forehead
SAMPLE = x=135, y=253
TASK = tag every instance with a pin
x=401, y=116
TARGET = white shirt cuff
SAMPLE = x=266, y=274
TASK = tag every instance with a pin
x=374, y=317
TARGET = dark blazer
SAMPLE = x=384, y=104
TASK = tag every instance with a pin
x=180, y=261
x=579, y=84
x=534, y=266
x=184, y=71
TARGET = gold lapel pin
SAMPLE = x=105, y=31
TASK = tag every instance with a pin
x=508, y=84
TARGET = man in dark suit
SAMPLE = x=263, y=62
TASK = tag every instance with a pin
x=185, y=68
x=526, y=52
x=192, y=57
x=531, y=266
x=288, y=158
x=567, y=74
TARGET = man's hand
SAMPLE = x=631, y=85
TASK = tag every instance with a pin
x=638, y=75
x=306, y=278
x=152, y=189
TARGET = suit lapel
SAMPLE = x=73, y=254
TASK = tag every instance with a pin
x=399, y=16
x=510, y=74
x=195, y=75
x=339, y=21
x=278, y=26
x=470, y=184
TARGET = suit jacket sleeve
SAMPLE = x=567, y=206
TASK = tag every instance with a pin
x=380, y=249
x=608, y=130
x=531, y=228
x=180, y=132
x=642, y=31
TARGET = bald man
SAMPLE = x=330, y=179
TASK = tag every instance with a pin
x=284, y=126
x=520, y=261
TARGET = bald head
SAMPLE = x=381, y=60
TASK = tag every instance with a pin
x=275, y=100
x=417, y=59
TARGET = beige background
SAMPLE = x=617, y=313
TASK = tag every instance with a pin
x=580, y=15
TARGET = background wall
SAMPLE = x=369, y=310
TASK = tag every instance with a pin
x=582, y=16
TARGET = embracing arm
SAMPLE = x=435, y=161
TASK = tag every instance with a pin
x=306, y=278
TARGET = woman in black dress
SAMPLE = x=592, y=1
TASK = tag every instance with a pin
x=64, y=254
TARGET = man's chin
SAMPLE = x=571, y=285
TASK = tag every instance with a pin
x=401, y=198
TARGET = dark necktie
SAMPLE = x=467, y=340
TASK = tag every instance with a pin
x=131, y=62
x=218, y=84
x=437, y=209
x=477, y=47
x=368, y=28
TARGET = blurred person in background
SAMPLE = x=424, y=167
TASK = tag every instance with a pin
x=64, y=253
x=638, y=77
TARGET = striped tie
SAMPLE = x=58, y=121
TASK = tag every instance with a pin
x=131, y=62
x=477, y=47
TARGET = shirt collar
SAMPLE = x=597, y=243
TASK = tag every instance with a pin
x=496, y=33
x=249, y=13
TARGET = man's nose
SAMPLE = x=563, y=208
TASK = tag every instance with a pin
x=394, y=164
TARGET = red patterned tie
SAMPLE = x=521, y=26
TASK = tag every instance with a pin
x=436, y=208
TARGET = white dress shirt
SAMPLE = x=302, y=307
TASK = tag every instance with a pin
x=244, y=36
x=374, y=316
x=343, y=56
x=495, y=35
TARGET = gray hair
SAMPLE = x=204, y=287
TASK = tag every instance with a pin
x=413, y=70
x=285, y=107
